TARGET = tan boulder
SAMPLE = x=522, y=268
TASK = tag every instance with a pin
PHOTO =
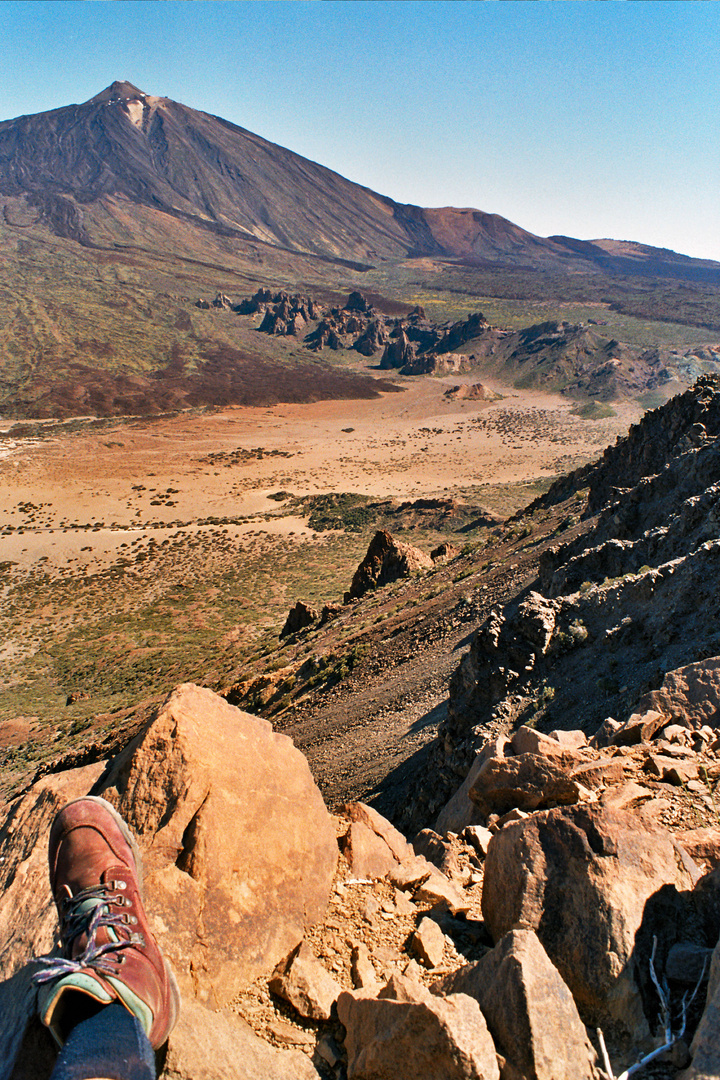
x=368, y=816
x=239, y=848
x=601, y=773
x=478, y=837
x=570, y=740
x=207, y=1045
x=527, y=740
x=580, y=877
x=408, y=1033
x=461, y=810
x=528, y=782
x=625, y=796
x=428, y=943
x=440, y=892
x=702, y=845
x=671, y=770
x=529, y=1010
x=412, y=873
x=639, y=728
x=304, y=983
x=437, y=850
x=367, y=853
x=362, y=969
x=689, y=695
x=233, y=873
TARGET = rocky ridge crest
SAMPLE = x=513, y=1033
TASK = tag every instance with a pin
x=613, y=610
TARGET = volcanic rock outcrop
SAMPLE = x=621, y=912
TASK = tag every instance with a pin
x=630, y=599
x=386, y=560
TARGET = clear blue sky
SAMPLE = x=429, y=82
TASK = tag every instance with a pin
x=591, y=118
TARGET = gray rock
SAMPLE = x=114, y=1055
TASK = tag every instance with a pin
x=705, y=1046
x=688, y=963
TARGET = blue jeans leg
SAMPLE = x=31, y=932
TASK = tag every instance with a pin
x=110, y=1045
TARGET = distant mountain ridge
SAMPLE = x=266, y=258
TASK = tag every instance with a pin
x=157, y=153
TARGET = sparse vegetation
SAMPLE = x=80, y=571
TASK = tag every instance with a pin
x=594, y=410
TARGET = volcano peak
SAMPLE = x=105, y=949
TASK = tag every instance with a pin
x=117, y=90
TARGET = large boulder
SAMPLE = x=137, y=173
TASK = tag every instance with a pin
x=386, y=560
x=372, y=846
x=689, y=695
x=528, y=782
x=407, y=1033
x=529, y=1010
x=299, y=617
x=234, y=873
x=460, y=810
x=580, y=877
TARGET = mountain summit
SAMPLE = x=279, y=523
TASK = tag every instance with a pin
x=117, y=90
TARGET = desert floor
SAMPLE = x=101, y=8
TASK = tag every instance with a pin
x=73, y=498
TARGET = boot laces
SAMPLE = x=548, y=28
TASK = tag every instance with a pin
x=87, y=912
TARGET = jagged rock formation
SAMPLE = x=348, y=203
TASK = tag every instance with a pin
x=615, y=609
x=386, y=560
x=575, y=359
x=299, y=617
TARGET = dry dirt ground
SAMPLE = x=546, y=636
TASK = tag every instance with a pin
x=133, y=474
x=139, y=553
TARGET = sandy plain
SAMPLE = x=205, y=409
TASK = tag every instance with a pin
x=73, y=497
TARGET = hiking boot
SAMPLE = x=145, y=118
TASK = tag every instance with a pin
x=108, y=952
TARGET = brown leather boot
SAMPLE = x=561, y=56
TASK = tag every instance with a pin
x=108, y=951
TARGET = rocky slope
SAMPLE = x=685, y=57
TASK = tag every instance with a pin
x=617, y=607
x=349, y=954
x=580, y=740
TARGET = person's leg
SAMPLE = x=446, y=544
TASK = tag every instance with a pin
x=111, y=1045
